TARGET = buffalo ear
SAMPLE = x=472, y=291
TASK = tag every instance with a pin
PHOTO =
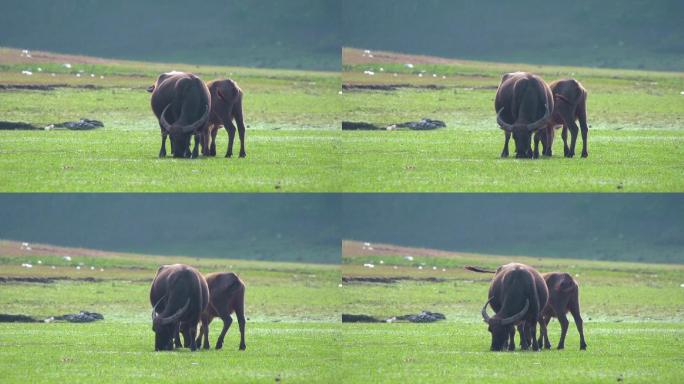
x=150, y=88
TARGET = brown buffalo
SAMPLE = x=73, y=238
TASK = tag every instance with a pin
x=563, y=297
x=226, y=105
x=570, y=104
x=523, y=105
x=181, y=103
x=227, y=295
x=179, y=293
x=517, y=294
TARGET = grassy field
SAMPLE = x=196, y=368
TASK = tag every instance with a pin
x=633, y=316
x=291, y=117
x=636, y=132
x=292, y=329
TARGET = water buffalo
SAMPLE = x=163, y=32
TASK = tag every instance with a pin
x=563, y=297
x=226, y=105
x=181, y=102
x=179, y=293
x=227, y=295
x=523, y=105
x=570, y=104
x=517, y=294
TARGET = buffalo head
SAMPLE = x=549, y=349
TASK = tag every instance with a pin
x=165, y=327
x=501, y=328
x=181, y=133
x=522, y=133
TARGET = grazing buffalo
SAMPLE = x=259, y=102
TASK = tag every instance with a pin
x=523, y=105
x=179, y=293
x=226, y=105
x=181, y=102
x=517, y=294
x=563, y=297
x=227, y=295
x=570, y=104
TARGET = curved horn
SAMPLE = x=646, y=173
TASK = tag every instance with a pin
x=154, y=309
x=192, y=127
x=162, y=120
x=502, y=124
x=517, y=316
x=541, y=122
x=485, y=316
x=177, y=315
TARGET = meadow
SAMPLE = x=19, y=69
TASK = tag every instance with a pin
x=635, y=136
x=292, y=118
x=292, y=313
x=632, y=315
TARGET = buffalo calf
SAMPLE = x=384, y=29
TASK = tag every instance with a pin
x=563, y=297
x=226, y=106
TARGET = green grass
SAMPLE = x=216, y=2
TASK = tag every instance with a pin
x=632, y=317
x=292, y=329
x=291, y=143
x=636, y=134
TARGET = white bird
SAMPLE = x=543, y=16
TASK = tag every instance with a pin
x=27, y=73
x=67, y=258
x=67, y=65
x=408, y=65
x=369, y=265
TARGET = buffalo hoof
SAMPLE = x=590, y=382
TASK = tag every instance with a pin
x=535, y=155
x=243, y=347
x=206, y=346
x=229, y=154
x=583, y=347
x=560, y=346
x=219, y=346
x=243, y=154
x=585, y=154
x=504, y=154
x=162, y=153
x=547, y=346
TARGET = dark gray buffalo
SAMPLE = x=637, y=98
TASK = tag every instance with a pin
x=523, y=105
x=181, y=102
x=179, y=293
x=226, y=106
x=518, y=295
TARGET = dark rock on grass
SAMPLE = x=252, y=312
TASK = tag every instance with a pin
x=81, y=317
x=83, y=124
x=424, y=124
x=423, y=317
x=5, y=318
x=347, y=318
x=359, y=126
x=17, y=126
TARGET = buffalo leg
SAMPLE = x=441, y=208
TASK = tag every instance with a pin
x=227, y=321
x=533, y=334
x=539, y=137
x=544, y=337
x=237, y=114
x=563, y=320
x=212, y=147
x=582, y=115
x=205, y=329
x=504, y=153
x=567, y=113
x=230, y=128
x=549, y=136
x=162, y=151
x=176, y=337
x=240, y=313
x=564, y=136
x=511, y=339
x=193, y=334
x=195, y=149
x=574, y=310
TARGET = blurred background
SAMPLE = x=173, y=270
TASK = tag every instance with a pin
x=607, y=33
x=636, y=227
x=266, y=33
x=290, y=227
